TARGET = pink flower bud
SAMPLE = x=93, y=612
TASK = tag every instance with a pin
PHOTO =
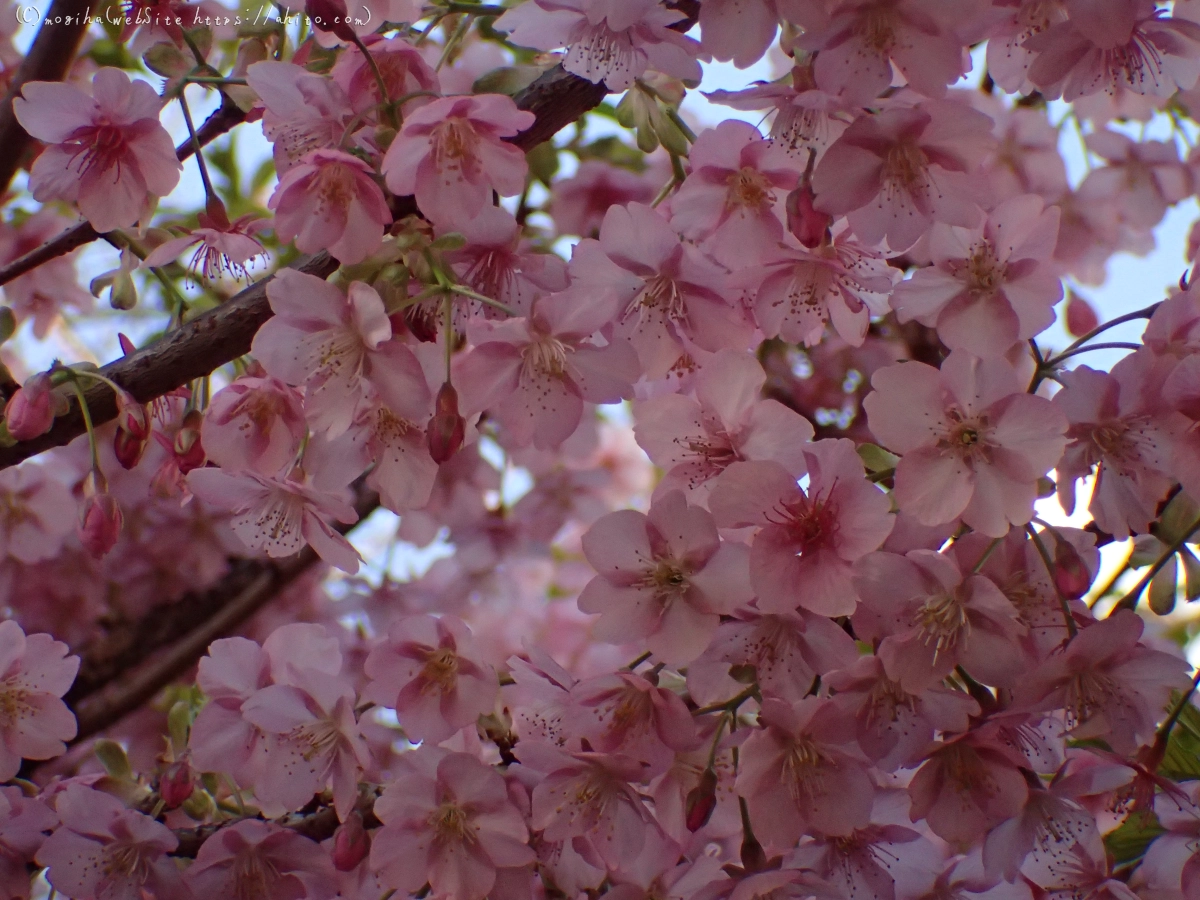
x=446, y=427
x=175, y=785
x=30, y=411
x=1071, y=576
x=810, y=227
x=188, y=450
x=701, y=801
x=330, y=15
x=133, y=430
x=1081, y=318
x=351, y=843
x=100, y=521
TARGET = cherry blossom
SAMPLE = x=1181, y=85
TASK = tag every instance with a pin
x=24, y=823
x=304, y=111
x=255, y=424
x=35, y=671
x=252, y=858
x=106, y=151
x=36, y=514
x=807, y=541
x=972, y=442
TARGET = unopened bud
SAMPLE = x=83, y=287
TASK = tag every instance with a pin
x=30, y=411
x=100, y=520
x=175, y=785
x=189, y=452
x=1071, y=575
x=133, y=430
x=810, y=226
x=330, y=15
x=446, y=427
x=701, y=801
x=351, y=843
x=1081, y=318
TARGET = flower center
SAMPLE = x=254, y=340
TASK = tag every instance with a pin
x=441, y=669
x=100, y=147
x=450, y=822
x=545, y=357
x=877, y=30
x=749, y=188
x=942, y=620
x=905, y=167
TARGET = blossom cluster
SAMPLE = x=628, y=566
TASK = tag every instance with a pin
x=739, y=442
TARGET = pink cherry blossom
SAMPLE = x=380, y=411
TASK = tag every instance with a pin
x=35, y=671
x=972, y=442
x=24, y=822
x=609, y=41
x=1046, y=830
x=259, y=859
x=580, y=202
x=797, y=774
x=328, y=201
x=989, y=286
x=1110, y=685
x=429, y=672
x=403, y=68
x=279, y=515
x=224, y=247
x=798, y=291
x=447, y=821
x=741, y=32
x=1115, y=428
x=107, y=151
x=727, y=204
x=221, y=740
x=451, y=155
x=808, y=540
x=860, y=40
x=336, y=345
x=1144, y=179
x=896, y=172
x=37, y=513
x=44, y=293
x=535, y=374
x=404, y=473
x=103, y=850
x=255, y=424
x=304, y=111
x=669, y=293
x=666, y=577
x=695, y=439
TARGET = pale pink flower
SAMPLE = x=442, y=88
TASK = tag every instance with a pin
x=968, y=785
x=798, y=291
x=103, y=850
x=535, y=374
x=254, y=424
x=24, y=822
x=894, y=726
x=860, y=40
x=279, y=515
x=669, y=293
x=1110, y=684
x=1008, y=60
x=395, y=440
x=106, y=153
x=258, y=859
x=304, y=111
x=727, y=204
x=1114, y=425
x=808, y=540
x=695, y=440
x=896, y=172
x=1128, y=45
x=447, y=820
x=1026, y=158
x=329, y=201
x=798, y=774
x=666, y=577
x=221, y=740
x=43, y=293
x=37, y=513
x=586, y=799
x=989, y=286
x=35, y=671
x=311, y=740
x=609, y=41
x=451, y=155
x=402, y=66
x=925, y=616
x=429, y=672
x=739, y=31
x=335, y=345
x=493, y=263
x=1170, y=864
x=787, y=652
x=1143, y=178
x=1041, y=835
x=625, y=714
x=224, y=247
x=972, y=442
x=579, y=203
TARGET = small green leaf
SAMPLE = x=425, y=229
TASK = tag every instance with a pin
x=112, y=757
x=876, y=459
x=1164, y=587
x=1191, y=570
x=1129, y=840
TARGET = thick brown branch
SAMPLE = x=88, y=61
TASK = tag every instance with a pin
x=49, y=59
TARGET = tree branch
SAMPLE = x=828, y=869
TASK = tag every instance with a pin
x=223, y=334
x=49, y=58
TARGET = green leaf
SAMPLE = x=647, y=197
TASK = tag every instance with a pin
x=1129, y=840
x=1164, y=587
x=876, y=459
x=1177, y=518
x=1181, y=761
x=112, y=757
x=1191, y=569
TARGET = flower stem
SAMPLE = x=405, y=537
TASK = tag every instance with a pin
x=1072, y=629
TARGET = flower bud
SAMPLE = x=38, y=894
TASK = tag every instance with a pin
x=1081, y=318
x=1071, y=575
x=30, y=411
x=810, y=227
x=351, y=843
x=133, y=430
x=100, y=520
x=175, y=785
x=330, y=15
x=446, y=427
x=188, y=450
x=701, y=801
